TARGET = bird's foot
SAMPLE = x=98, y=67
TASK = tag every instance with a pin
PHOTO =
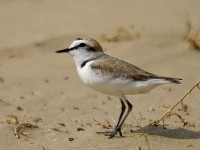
x=111, y=134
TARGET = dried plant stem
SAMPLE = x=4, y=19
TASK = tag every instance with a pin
x=23, y=125
x=168, y=113
x=188, y=29
x=191, y=39
x=145, y=136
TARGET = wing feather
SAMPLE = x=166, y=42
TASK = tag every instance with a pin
x=117, y=68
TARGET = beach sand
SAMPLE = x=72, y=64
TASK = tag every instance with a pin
x=42, y=88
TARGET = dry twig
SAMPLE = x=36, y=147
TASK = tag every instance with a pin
x=145, y=136
x=192, y=40
x=122, y=34
x=184, y=121
x=18, y=130
x=169, y=112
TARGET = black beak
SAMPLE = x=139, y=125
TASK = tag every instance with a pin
x=63, y=50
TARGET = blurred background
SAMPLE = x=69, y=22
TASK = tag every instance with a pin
x=28, y=21
x=43, y=88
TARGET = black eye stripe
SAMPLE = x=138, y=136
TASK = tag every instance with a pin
x=82, y=45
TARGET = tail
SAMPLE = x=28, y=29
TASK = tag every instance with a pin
x=173, y=80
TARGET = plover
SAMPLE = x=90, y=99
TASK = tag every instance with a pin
x=112, y=76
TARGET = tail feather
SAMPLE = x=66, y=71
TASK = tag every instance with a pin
x=173, y=80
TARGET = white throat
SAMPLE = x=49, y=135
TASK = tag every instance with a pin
x=82, y=56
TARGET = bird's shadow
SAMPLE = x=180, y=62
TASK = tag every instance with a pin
x=176, y=133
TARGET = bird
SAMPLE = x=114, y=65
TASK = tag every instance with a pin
x=112, y=76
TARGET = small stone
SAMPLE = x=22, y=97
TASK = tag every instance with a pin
x=151, y=109
x=71, y=139
x=80, y=129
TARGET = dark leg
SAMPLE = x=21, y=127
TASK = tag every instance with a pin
x=130, y=106
x=123, y=108
x=120, y=123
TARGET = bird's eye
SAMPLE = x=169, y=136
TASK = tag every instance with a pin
x=82, y=45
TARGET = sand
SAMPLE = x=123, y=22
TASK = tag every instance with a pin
x=42, y=88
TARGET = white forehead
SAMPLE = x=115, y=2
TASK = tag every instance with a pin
x=78, y=42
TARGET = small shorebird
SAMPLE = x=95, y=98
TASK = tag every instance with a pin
x=112, y=76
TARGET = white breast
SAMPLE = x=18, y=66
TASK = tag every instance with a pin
x=107, y=85
x=88, y=76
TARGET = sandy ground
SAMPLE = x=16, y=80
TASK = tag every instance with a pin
x=42, y=88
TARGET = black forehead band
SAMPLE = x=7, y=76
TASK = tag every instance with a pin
x=79, y=39
x=88, y=48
